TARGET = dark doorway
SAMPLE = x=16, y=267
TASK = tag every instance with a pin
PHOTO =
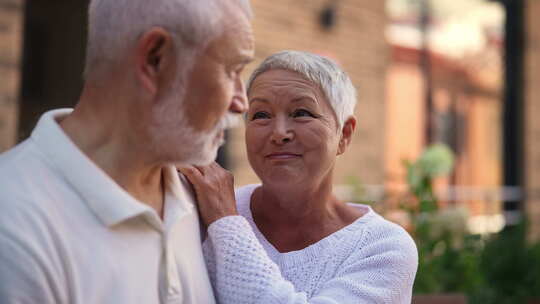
x=53, y=58
x=514, y=99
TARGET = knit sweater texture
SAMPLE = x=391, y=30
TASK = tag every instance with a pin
x=369, y=261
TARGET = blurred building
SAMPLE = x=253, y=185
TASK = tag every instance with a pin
x=467, y=112
x=496, y=144
x=465, y=84
x=10, y=53
x=532, y=109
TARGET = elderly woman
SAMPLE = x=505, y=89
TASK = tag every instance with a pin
x=290, y=240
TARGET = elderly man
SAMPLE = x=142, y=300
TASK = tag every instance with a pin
x=92, y=210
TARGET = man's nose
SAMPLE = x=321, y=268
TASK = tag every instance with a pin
x=239, y=102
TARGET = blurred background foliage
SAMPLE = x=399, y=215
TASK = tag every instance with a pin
x=496, y=268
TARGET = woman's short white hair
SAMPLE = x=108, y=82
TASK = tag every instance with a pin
x=323, y=72
x=115, y=25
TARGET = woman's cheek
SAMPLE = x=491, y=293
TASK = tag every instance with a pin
x=254, y=140
x=314, y=137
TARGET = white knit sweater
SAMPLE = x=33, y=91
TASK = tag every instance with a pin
x=369, y=261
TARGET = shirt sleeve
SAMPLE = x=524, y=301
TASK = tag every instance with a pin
x=24, y=278
x=244, y=274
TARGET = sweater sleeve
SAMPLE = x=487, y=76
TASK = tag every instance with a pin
x=380, y=270
x=244, y=274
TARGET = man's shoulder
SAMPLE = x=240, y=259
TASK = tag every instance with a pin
x=20, y=158
x=24, y=234
x=24, y=177
x=28, y=197
x=13, y=155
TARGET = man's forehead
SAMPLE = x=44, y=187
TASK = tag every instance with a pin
x=238, y=25
x=236, y=40
x=245, y=42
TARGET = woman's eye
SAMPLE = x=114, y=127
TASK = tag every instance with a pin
x=260, y=115
x=302, y=113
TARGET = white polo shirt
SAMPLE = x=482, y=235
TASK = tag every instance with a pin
x=69, y=234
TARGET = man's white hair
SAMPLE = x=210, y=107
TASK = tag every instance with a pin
x=331, y=79
x=114, y=26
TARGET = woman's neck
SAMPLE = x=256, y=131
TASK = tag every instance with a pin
x=294, y=203
x=292, y=217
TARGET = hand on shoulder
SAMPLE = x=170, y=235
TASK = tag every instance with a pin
x=214, y=189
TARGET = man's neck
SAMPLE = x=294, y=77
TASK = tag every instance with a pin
x=107, y=143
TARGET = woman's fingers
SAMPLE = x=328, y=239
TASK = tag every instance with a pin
x=212, y=173
x=216, y=166
x=202, y=175
x=188, y=170
x=214, y=187
x=210, y=169
x=193, y=174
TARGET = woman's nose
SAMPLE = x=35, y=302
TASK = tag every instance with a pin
x=282, y=133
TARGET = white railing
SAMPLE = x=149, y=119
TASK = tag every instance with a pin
x=490, y=220
x=376, y=193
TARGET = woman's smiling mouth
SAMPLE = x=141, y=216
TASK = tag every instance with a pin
x=283, y=155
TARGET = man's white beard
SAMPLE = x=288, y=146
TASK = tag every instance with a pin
x=188, y=146
x=200, y=148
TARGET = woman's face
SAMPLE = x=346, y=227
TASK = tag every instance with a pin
x=291, y=132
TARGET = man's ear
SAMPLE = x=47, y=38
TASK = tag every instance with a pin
x=347, y=132
x=154, y=59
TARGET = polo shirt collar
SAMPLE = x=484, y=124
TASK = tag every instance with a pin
x=107, y=200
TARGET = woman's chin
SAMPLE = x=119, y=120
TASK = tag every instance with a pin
x=283, y=177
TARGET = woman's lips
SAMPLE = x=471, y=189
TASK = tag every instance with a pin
x=282, y=155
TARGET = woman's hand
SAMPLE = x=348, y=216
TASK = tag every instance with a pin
x=214, y=189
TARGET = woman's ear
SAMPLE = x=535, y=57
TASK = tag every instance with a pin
x=347, y=132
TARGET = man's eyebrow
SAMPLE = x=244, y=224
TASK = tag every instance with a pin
x=246, y=59
x=240, y=62
x=243, y=58
x=260, y=99
x=302, y=98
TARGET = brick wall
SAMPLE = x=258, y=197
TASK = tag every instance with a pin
x=357, y=42
x=11, y=21
x=532, y=112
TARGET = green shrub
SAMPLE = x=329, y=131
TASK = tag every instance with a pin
x=502, y=268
